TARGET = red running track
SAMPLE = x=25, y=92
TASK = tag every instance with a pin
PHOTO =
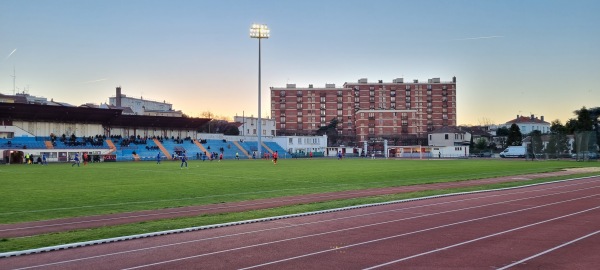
x=552, y=226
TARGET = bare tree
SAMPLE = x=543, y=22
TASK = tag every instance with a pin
x=484, y=121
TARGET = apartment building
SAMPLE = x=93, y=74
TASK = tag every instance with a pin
x=396, y=111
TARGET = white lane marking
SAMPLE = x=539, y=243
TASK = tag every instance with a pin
x=324, y=221
x=357, y=244
x=255, y=204
x=428, y=252
x=549, y=250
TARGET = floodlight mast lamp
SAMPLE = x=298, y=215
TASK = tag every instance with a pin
x=259, y=31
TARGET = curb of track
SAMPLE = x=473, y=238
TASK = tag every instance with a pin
x=214, y=226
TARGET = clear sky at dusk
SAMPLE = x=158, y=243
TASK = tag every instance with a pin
x=509, y=57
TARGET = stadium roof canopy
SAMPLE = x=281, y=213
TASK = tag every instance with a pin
x=107, y=117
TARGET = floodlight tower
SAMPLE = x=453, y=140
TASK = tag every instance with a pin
x=259, y=31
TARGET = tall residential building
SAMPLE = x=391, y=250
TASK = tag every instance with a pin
x=400, y=112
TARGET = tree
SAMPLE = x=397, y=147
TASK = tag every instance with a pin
x=503, y=131
x=515, y=138
x=584, y=120
x=536, y=142
x=558, y=143
x=331, y=131
x=595, y=116
x=501, y=135
x=585, y=129
x=481, y=144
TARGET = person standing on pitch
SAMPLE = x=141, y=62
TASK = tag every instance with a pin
x=75, y=160
x=275, y=156
x=183, y=160
x=158, y=158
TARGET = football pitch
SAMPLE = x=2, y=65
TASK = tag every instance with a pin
x=35, y=192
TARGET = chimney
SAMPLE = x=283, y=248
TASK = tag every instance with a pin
x=542, y=118
x=118, y=99
x=532, y=117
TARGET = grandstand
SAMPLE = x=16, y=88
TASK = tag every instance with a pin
x=107, y=135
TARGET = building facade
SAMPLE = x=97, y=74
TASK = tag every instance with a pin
x=449, y=136
x=141, y=106
x=249, y=126
x=529, y=124
x=397, y=111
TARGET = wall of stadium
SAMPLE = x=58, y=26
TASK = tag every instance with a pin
x=151, y=132
x=44, y=129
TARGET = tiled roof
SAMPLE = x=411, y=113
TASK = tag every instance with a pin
x=526, y=120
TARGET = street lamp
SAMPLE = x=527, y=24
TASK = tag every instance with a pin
x=259, y=31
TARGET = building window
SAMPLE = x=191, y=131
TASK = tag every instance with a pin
x=322, y=99
x=446, y=136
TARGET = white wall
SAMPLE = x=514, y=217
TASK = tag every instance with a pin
x=303, y=144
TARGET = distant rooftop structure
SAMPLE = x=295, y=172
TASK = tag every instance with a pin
x=23, y=98
x=141, y=106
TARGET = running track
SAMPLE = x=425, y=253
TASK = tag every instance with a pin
x=551, y=226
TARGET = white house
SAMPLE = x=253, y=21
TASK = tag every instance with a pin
x=449, y=142
x=529, y=124
x=249, y=126
x=448, y=136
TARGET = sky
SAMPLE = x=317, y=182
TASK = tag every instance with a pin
x=510, y=57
